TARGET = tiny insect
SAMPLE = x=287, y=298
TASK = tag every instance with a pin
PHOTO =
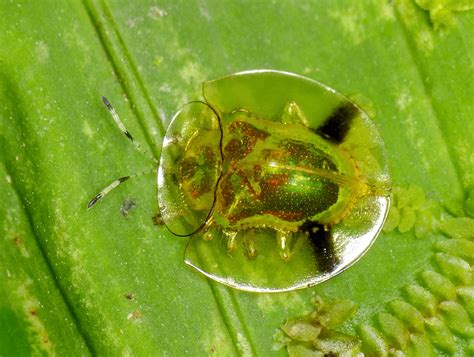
x=279, y=181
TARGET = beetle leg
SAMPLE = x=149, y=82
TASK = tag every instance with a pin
x=250, y=246
x=209, y=231
x=231, y=240
x=208, y=235
x=283, y=243
x=292, y=114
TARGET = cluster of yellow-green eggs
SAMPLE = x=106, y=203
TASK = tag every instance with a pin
x=411, y=209
x=315, y=334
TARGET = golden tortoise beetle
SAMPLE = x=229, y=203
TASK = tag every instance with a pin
x=280, y=181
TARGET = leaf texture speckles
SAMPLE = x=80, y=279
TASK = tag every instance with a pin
x=68, y=273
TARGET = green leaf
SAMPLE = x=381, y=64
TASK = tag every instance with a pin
x=78, y=282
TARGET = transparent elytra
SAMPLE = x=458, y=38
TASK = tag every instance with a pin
x=279, y=181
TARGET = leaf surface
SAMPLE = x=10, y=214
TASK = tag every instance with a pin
x=108, y=281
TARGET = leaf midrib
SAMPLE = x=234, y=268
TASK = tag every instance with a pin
x=106, y=29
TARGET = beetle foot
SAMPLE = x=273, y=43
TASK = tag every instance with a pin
x=250, y=246
x=208, y=235
x=283, y=243
x=292, y=114
x=231, y=237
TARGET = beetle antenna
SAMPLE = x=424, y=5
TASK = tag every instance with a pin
x=113, y=185
x=124, y=130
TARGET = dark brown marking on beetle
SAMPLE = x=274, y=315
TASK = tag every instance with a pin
x=323, y=245
x=337, y=125
x=243, y=138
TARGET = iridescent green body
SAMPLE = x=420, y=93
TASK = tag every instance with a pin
x=280, y=175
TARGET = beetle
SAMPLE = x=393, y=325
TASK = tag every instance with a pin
x=280, y=181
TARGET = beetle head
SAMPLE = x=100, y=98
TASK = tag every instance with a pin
x=190, y=167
